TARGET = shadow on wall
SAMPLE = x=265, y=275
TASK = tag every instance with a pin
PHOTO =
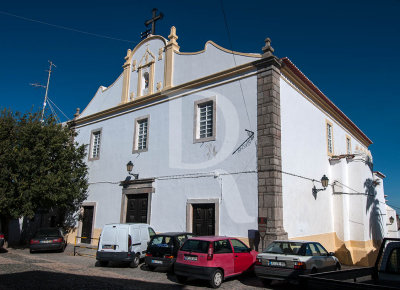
x=345, y=257
x=369, y=259
x=376, y=226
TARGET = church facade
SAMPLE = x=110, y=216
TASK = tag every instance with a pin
x=228, y=143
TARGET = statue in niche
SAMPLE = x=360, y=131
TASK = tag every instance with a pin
x=145, y=82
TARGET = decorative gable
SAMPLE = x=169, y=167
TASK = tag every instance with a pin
x=145, y=69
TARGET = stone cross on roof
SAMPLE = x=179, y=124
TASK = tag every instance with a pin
x=153, y=20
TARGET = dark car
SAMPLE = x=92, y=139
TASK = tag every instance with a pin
x=48, y=239
x=163, y=249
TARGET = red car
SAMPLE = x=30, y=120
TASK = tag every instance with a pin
x=213, y=259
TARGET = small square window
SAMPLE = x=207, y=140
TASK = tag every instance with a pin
x=95, y=139
x=141, y=134
x=204, y=129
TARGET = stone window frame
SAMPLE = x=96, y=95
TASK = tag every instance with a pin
x=90, y=157
x=330, y=153
x=196, y=120
x=136, y=134
x=80, y=224
x=348, y=144
x=189, y=213
x=144, y=186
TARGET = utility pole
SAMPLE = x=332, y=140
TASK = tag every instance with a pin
x=46, y=87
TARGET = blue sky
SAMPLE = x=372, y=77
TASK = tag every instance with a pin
x=349, y=49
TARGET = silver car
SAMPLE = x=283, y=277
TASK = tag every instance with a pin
x=286, y=260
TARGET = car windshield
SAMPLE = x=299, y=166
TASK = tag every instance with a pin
x=286, y=248
x=196, y=246
x=161, y=241
x=41, y=233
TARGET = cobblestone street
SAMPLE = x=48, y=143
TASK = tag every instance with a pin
x=21, y=270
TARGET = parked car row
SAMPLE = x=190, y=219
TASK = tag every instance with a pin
x=211, y=258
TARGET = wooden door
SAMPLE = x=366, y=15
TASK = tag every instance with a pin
x=204, y=219
x=136, y=209
x=87, y=223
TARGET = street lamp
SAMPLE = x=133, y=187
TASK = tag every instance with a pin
x=391, y=220
x=324, y=182
x=129, y=167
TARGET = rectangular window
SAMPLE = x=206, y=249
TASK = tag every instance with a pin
x=329, y=136
x=348, y=145
x=141, y=134
x=95, y=144
x=204, y=120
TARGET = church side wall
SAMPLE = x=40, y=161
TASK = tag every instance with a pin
x=174, y=160
x=304, y=153
x=341, y=220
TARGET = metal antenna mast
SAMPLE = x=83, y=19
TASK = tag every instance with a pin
x=46, y=87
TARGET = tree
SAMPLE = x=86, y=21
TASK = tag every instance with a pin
x=41, y=167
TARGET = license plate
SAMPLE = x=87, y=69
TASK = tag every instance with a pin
x=46, y=242
x=190, y=258
x=108, y=247
x=156, y=262
x=277, y=263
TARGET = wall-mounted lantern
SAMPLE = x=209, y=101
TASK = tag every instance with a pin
x=129, y=168
x=324, y=182
x=391, y=220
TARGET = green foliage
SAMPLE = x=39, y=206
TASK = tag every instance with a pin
x=41, y=167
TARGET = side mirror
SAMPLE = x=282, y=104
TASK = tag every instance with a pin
x=331, y=254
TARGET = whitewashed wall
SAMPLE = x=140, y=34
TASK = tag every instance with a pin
x=342, y=208
x=204, y=63
x=171, y=151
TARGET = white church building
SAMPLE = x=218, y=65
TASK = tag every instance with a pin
x=225, y=143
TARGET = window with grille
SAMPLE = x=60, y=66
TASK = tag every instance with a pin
x=141, y=134
x=95, y=144
x=329, y=135
x=205, y=120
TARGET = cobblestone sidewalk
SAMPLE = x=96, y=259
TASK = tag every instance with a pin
x=21, y=270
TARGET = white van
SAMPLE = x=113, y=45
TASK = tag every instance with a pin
x=124, y=243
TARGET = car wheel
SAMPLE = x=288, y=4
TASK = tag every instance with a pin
x=151, y=268
x=313, y=270
x=171, y=269
x=181, y=279
x=135, y=262
x=338, y=267
x=217, y=278
x=266, y=282
x=101, y=264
